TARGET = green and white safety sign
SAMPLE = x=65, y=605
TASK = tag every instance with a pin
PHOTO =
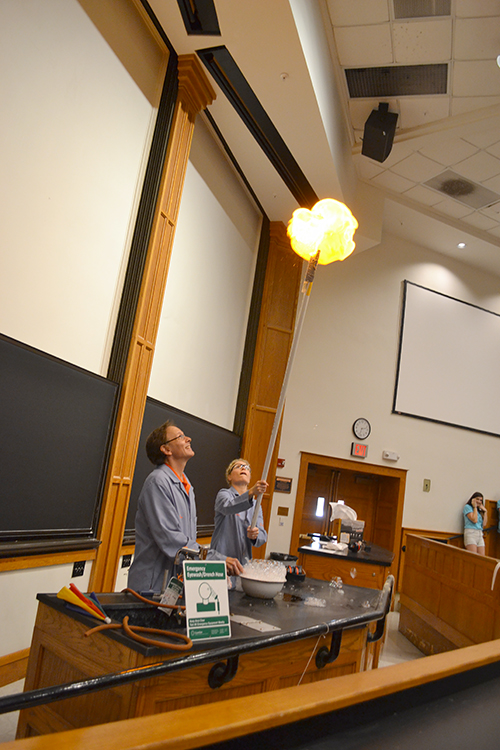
x=207, y=602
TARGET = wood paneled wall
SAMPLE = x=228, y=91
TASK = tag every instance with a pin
x=492, y=538
x=446, y=536
x=447, y=600
x=274, y=340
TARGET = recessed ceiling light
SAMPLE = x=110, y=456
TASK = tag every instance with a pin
x=498, y=61
x=461, y=245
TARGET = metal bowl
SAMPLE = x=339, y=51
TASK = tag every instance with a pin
x=261, y=589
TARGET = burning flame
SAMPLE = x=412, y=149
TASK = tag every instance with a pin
x=328, y=227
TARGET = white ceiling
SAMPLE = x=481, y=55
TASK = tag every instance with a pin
x=293, y=54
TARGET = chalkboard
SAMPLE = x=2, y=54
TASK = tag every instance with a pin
x=214, y=449
x=55, y=429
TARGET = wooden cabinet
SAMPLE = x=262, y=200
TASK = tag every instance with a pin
x=61, y=653
x=354, y=570
x=368, y=570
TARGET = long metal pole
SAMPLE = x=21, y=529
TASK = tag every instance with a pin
x=306, y=291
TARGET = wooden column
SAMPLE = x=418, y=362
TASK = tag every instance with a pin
x=195, y=93
x=274, y=340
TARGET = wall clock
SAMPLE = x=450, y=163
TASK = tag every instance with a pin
x=361, y=428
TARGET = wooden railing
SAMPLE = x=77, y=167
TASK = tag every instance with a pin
x=201, y=726
x=13, y=667
x=447, y=600
x=492, y=538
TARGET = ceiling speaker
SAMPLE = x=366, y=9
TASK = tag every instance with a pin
x=379, y=133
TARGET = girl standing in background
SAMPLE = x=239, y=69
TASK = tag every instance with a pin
x=474, y=523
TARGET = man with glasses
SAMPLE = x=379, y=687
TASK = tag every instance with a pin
x=166, y=513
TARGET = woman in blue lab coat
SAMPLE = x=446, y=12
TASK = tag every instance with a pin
x=234, y=507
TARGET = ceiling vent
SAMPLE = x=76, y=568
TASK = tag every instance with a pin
x=421, y=8
x=397, y=80
x=469, y=193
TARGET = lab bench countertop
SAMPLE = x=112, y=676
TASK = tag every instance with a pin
x=301, y=610
x=371, y=554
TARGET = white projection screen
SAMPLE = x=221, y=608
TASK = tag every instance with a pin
x=449, y=361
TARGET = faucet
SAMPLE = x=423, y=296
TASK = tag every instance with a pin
x=192, y=554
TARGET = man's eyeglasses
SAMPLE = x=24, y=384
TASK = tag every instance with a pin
x=241, y=466
x=175, y=438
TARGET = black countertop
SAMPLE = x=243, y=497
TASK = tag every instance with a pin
x=301, y=610
x=374, y=555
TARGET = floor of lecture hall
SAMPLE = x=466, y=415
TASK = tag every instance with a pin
x=396, y=649
x=8, y=722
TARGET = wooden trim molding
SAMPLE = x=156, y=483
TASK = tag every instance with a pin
x=13, y=667
x=454, y=538
x=252, y=330
x=127, y=549
x=194, y=92
x=44, y=561
x=143, y=227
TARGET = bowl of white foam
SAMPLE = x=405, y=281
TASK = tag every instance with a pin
x=263, y=579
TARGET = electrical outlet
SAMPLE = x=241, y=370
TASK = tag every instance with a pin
x=427, y=485
x=78, y=569
x=126, y=561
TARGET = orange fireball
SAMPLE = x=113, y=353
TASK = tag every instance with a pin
x=327, y=228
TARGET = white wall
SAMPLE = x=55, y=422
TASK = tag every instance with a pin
x=345, y=368
x=199, y=349
x=18, y=590
x=75, y=130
